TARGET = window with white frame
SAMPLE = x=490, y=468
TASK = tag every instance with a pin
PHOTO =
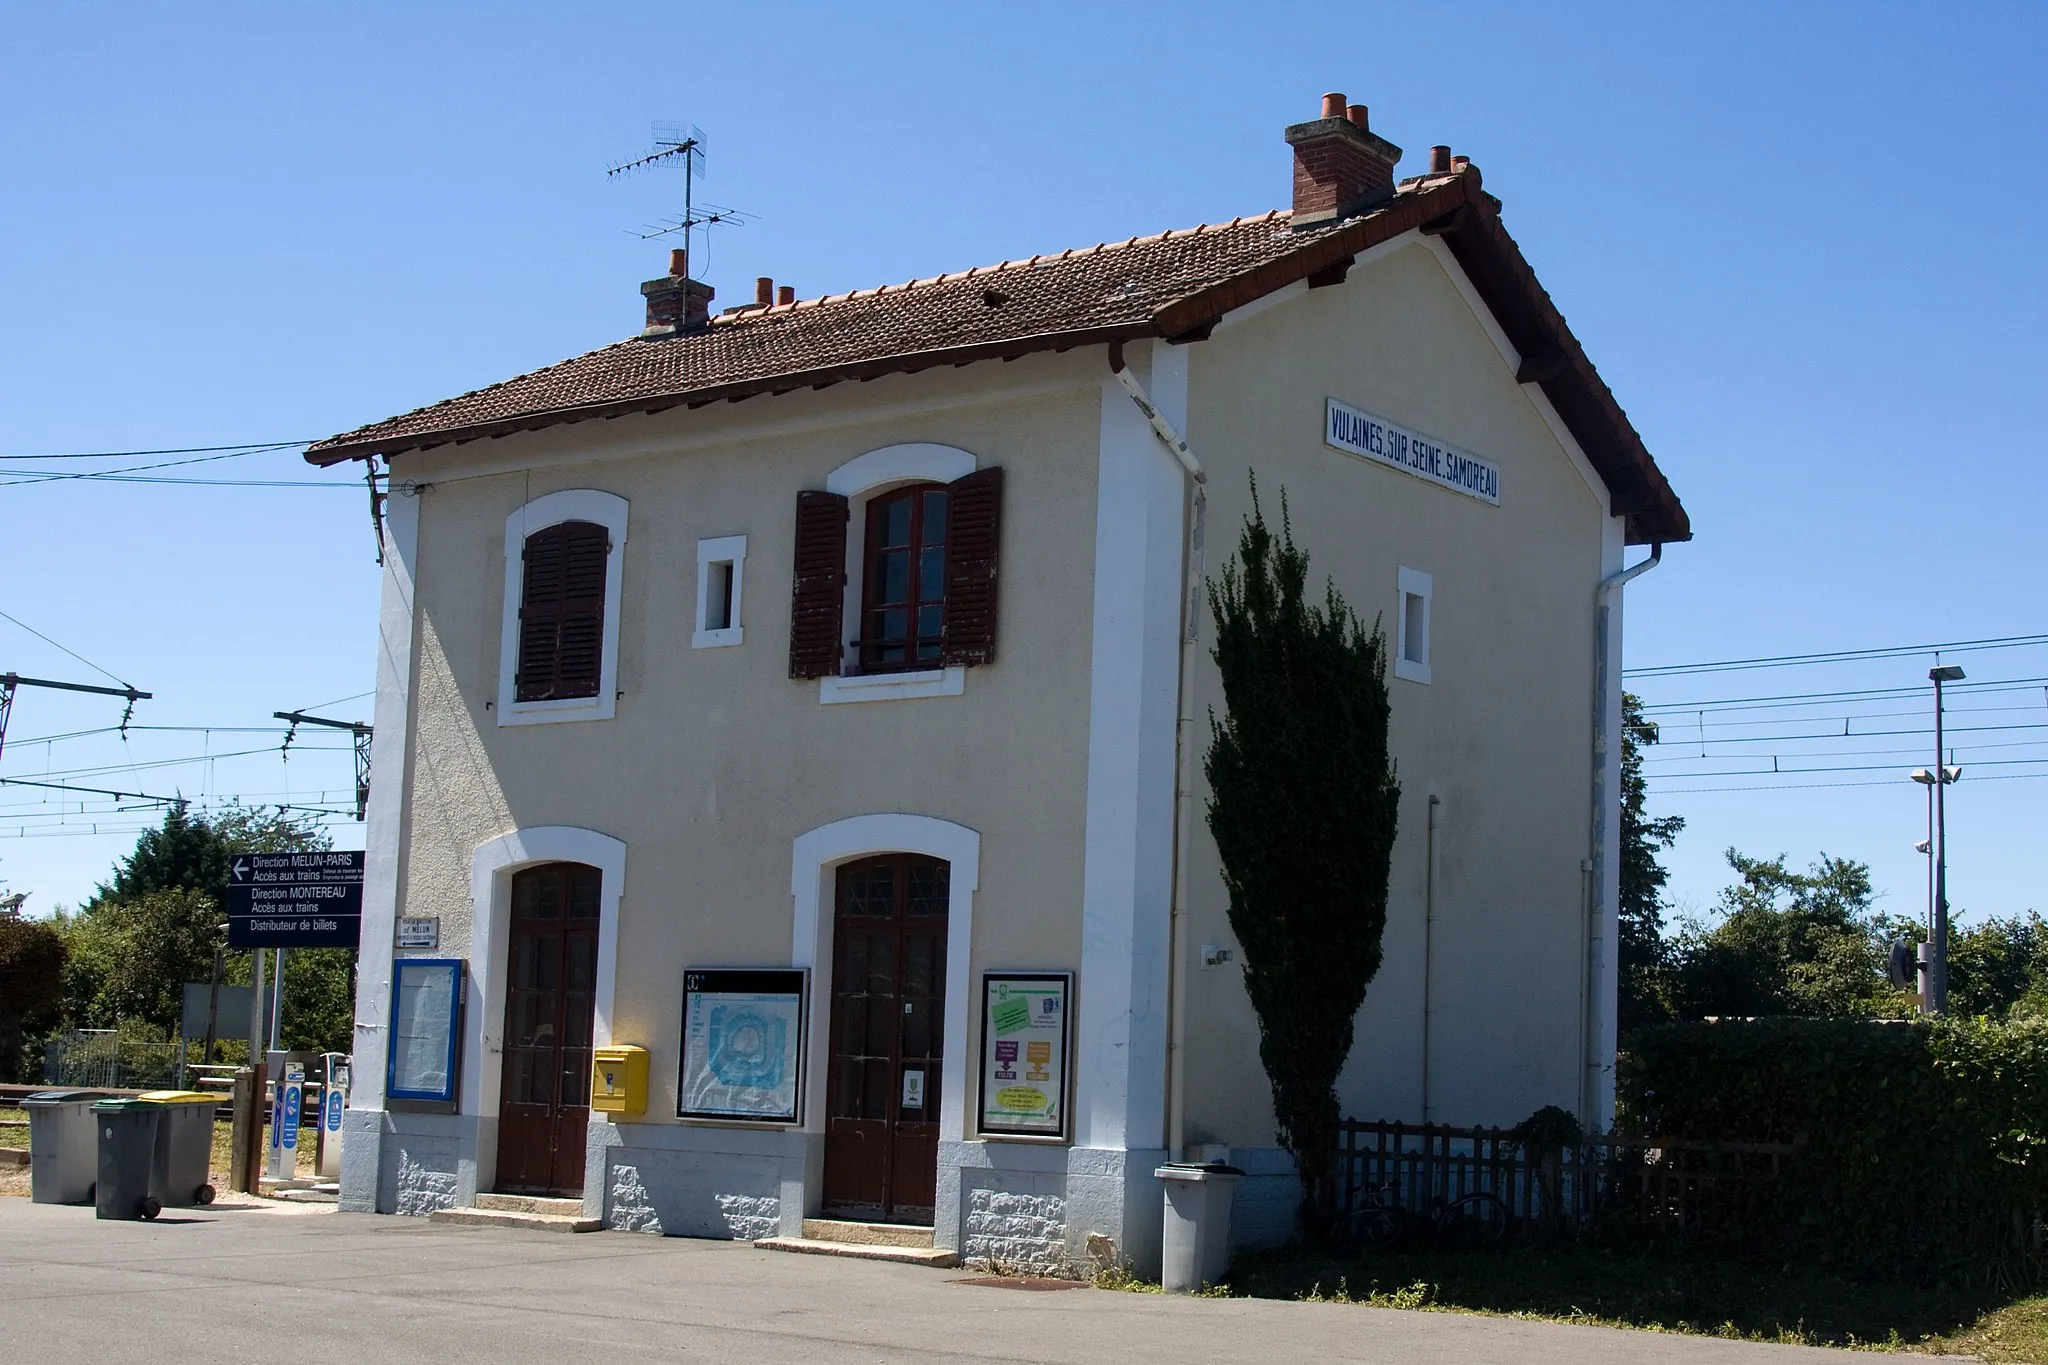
x=895, y=574
x=558, y=657
x=1411, y=626
x=721, y=572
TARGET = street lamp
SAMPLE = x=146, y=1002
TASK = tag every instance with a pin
x=1925, y=847
x=1937, y=963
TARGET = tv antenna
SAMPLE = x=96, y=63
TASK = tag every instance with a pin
x=679, y=143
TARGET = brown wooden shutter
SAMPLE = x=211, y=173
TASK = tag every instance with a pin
x=818, y=597
x=561, y=612
x=974, y=522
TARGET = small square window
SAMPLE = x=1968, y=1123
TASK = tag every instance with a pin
x=721, y=570
x=1411, y=626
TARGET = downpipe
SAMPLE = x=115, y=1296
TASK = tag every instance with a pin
x=1194, y=519
x=1600, y=913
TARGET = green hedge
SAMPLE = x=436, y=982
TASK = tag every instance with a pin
x=1923, y=1147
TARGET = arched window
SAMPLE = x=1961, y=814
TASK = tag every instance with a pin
x=558, y=654
x=561, y=612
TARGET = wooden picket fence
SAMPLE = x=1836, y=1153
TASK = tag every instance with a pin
x=1665, y=1185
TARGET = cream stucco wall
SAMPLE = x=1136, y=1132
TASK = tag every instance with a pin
x=1502, y=732
x=717, y=761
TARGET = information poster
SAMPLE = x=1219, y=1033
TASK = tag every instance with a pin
x=743, y=1044
x=1025, y=1042
x=425, y=1010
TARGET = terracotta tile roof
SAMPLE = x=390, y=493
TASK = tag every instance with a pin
x=1173, y=284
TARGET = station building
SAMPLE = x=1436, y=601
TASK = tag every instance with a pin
x=790, y=706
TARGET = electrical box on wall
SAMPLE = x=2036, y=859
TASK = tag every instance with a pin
x=618, y=1080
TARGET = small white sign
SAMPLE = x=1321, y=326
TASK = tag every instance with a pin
x=913, y=1090
x=423, y=931
x=1376, y=439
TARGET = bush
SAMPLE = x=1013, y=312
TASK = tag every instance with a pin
x=1921, y=1145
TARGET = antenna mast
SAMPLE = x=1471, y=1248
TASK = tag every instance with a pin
x=682, y=142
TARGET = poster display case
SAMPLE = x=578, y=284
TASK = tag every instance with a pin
x=1026, y=1046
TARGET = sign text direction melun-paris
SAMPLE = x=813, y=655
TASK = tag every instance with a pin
x=295, y=900
x=1377, y=439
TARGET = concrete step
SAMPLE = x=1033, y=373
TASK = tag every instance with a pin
x=530, y=1203
x=865, y=1251
x=506, y=1218
x=867, y=1234
x=317, y=1194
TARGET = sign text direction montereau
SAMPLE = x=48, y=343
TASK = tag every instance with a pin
x=295, y=900
x=1377, y=439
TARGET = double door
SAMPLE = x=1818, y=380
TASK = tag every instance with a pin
x=550, y=1000
x=888, y=1013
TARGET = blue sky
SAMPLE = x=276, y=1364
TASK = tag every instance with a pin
x=1803, y=243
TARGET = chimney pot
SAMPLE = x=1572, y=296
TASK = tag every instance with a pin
x=1340, y=165
x=1459, y=163
x=764, y=290
x=1440, y=160
x=679, y=262
x=786, y=294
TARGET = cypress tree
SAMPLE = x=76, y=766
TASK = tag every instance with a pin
x=1303, y=803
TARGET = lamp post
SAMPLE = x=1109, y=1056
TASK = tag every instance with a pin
x=1937, y=963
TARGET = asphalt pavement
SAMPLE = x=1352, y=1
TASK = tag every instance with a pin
x=273, y=1284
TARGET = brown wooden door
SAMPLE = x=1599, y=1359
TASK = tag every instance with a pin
x=888, y=1009
x=550, y=997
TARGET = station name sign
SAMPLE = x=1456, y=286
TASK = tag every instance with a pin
x=1376, y=439
x=295, y=900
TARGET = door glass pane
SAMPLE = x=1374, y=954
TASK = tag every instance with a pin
x=917, y=1028
x=877, y=1090
x=930, y=885
x=851, y=1026
x=917, y=966
x=583, y=892
x=852, y=1094
x=537, y=894
x=582, y=962
x=881, y=964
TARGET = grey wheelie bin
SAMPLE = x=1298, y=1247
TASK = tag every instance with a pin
x=184, y=1147
x=63, y=1154
x=127, y=1140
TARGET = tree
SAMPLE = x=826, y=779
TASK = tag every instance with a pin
x=1303, y=804
x=1644, y=956
x=1801, y=943
x=1995, y=968
x=131, y=956
x=32, y=956
x=156, y=926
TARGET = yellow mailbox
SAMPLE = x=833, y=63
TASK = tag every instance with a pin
x=618, y=1081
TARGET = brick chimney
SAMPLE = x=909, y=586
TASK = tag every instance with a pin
x=1340, y=165
x=675, y=302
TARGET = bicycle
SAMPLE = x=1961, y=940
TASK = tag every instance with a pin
x=1379, y=1221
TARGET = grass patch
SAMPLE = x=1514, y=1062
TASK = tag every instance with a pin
x=1662, y=1289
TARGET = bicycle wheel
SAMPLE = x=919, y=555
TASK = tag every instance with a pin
x=1374, y=1227
x=1473, y=1220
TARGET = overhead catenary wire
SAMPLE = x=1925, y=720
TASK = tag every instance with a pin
x=1838, y=656
x=162, y=450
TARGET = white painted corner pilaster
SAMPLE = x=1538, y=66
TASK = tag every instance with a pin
x=1126, y=911
x=384, y=820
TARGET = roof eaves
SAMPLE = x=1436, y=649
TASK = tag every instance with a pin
x=905, y=362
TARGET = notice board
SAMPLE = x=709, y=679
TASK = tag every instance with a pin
x=743, y=1044
x=1026, y=1047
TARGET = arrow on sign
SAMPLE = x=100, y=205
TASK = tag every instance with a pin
x=241, y=869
